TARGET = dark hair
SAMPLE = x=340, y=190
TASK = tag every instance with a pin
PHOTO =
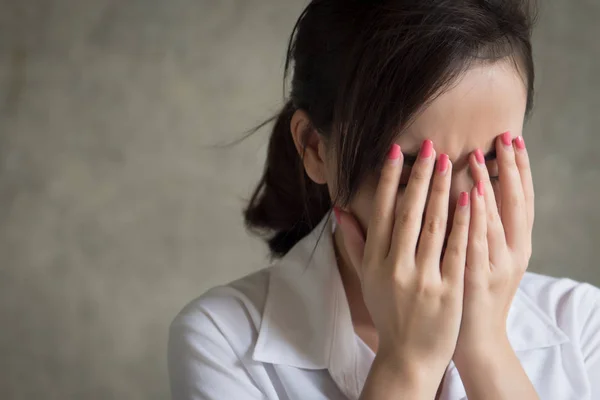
x=362, y=70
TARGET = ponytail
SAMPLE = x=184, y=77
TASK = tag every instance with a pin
x=286, y=204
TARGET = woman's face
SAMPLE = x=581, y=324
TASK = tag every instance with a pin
x=487, y=101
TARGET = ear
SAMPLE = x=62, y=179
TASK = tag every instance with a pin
x=310, y=146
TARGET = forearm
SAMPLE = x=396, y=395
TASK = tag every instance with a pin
x=495, y=375
x=390, y=380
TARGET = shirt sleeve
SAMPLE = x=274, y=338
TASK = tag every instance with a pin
x=590, y=339
x=203, y=365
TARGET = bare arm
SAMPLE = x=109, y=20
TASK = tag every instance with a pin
x=496, y=374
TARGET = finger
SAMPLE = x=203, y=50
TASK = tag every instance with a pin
x=453, y=264
x=522, y=159
x=495, y=230
x=433, y=231
x=498, y=197
x=514, y=213
x=382, y=219
x=409, y=211
x=477, y=247
x=353, y=239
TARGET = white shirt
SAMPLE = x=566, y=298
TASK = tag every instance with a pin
x=285, y=332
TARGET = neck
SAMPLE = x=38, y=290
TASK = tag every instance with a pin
x=361, y=319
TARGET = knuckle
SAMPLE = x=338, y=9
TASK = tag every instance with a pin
x=439, y=188
x=508, y=160
x=475, y=281
x=453, y=252
x=435, y=225
x=378, y=216
x=461, y=224
x=419, y=175
x=523, y=162
x=427, y=286
x=407, y=218
x=513, y=201
x=479, y=244
x=493, y=218
x=461, y=221
x=387, y=177
x=452, y=292
x=400, y=278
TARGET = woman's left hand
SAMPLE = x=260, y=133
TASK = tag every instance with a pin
x=498, y=253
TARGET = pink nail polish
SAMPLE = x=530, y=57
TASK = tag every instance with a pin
x=520, y=143
x=507, y=139
x=480, y=188
x=394, y=152
x=463, y=200
x=338, y=218
x=427, y=149
x=442, y=163
x=479, y=156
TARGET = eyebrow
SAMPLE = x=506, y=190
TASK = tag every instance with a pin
x=411, y=158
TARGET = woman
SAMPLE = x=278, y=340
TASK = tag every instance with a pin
x=405, y=118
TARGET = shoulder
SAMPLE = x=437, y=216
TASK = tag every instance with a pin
x=211, y=340
x=231, y=312
x=572, y=305
x=247, y=293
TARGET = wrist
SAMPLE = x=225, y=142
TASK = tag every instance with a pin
x=485, y=354
x=414, y=377
x=494, y=374
x=402, y=368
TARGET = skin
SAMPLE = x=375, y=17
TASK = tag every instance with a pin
x=416, y=305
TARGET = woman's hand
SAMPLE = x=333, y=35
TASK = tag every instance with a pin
x=415, y=305
x=498, y=253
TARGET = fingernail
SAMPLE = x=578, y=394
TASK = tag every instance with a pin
x=520, y=143
x=480, y=188
x=338, y=218
x=463, y=200
x=479, y=156
x=442, y=163
x=394, y=152
x=507, y=139
x=426, y=149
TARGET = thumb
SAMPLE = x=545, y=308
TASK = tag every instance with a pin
x=354, y=239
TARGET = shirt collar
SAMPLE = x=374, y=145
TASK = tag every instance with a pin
x=307, y=324
x=306, y=321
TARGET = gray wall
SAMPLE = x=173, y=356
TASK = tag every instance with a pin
x=114, y=213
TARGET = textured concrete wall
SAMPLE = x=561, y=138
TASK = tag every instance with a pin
x=114, y=211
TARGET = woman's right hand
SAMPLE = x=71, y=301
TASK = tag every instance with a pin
x=413, y=296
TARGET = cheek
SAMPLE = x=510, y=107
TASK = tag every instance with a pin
x=361, y=205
